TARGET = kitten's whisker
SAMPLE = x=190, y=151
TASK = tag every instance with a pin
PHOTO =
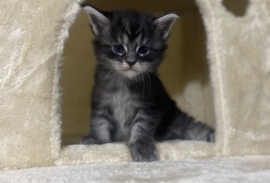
x=153, y=72
x=142, y=82
x=146, y=81
x=149, y=79
x=115, y=74
x=106, y=76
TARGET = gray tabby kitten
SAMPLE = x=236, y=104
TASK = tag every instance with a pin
x=129, y=102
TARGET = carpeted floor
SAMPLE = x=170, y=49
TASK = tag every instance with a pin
x=229, y=170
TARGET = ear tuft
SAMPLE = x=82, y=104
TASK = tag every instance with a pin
x=165, y=23
x=97, y=19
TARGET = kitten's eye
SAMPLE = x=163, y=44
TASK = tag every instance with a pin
x=143, y=50
x=118, y=49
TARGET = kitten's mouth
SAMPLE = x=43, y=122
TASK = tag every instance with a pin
x=130, y=72
x=130, y=69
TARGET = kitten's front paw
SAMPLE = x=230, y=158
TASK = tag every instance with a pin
x=90, y=140
x=211, y=136
x=143, y=152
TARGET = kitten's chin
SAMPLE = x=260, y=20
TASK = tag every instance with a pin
x=130, y=73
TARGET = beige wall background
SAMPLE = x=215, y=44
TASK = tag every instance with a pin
x=184, y=71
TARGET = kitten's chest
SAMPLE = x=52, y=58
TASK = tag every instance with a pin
x=123, y=105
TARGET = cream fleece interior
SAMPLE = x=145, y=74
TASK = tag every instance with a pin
x=235, y=100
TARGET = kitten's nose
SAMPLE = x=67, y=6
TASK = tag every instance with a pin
x=131, y=62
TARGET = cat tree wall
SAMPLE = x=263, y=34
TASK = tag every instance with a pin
x=32, y=45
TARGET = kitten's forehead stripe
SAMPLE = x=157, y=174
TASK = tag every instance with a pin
x=119, y=38
x=127, y=28
x=125, y=39
x=132, y=23
x=138, y=39
x=144, y=41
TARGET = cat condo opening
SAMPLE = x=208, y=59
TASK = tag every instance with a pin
x=184, y=71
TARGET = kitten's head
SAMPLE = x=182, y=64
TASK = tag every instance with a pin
x=128, y=41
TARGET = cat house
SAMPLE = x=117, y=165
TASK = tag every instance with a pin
x=225, y=83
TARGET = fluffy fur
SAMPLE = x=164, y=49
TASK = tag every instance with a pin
x=239, y=61
x=241, y=170
x=129, y=102
x=32, y=42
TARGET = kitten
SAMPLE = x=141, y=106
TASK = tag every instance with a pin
x=129, y=102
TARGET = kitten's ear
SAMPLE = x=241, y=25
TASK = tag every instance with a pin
x=165, y=23
x=97, y=19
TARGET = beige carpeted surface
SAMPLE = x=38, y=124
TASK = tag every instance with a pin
x=249, y=169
